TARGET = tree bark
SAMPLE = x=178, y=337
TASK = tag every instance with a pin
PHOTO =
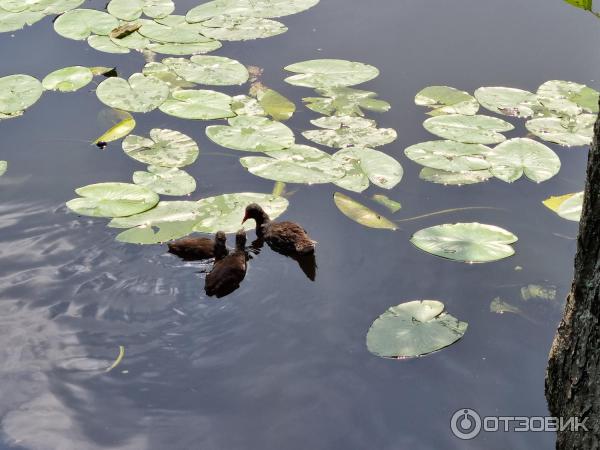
x=573, y=374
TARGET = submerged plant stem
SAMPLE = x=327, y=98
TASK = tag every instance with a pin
x=447, y=211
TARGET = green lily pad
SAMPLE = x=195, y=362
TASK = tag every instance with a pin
x=3, y=167
x=68, y=79
x=11, y=115
x=447, y=100
x=112, y=200
x=172, y=31
x=515, y=157
x=209, y=70
x=454, y=178
x=466, y=242
x=250, y=133
x=499, y=306
x=165, y=148
x=225, y=212
x=363, y=164
x=476, y=129
x=450, y=156
x=346, y=131
x=106, y=45
x=138, y=94
x=166, y=180
x=132, y=9
x=568, y=131
x=13, y=21
x=568, y=98
x=413, y=329
x=275, y=105
x=184, y=49
x=229, y=28
x=165, y=74
x=248, y=8
x=361, y=214
x=79, y=24
x=535, y=291
x=326, y=73
x=390, y=204
x=46, y=7
x=345, y=101
x=508, y=101
x=297, y=164
x=568, y=206
x=198, y=104
x=18, y=92
x=134, y=41
x=244, y=105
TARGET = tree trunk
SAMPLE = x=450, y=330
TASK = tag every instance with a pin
x=573, y=375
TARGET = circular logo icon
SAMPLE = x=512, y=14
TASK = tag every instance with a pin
x=465, y=424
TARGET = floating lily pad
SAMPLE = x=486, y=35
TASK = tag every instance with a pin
x=450, y=156
x=3, y=167
x=476, y=129
x=138, y=94
x=133, y=41
x=172, y=31
x=198, y=104
x=297, y=164
x=447, y=100
x=363, y=165
x=248, y=133
x=165, y=74
x=275, y=105
x=454, y=178
x=513, y=158
x=248, y=8
x=184, y=49
x=68, y=79
x=225, y=212
x=166, y=180
x=568, y=131
x=325, y=73
x=345, y=101
x=228, y=28
x=133, y=9
x=13, y=21
x=361, y=214
x=46, y=7
x=535, y=291
x=112, y=200
x=209, y=70
x=165, y=148
x=414, y=329
x=106, y=45
x=121, y=129
x=466, y=242
x=568, y=206
x=390, y=204
x=18, y=92
x=244, y=105
x=568, y=98
x=345, y=131
x=508, y=101
x=79, y=24
x=499, y=306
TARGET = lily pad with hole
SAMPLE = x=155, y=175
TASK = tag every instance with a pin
x=79, y=24
x=345, y=101
x=166, y=180
x=132, y=9
x=251, y=133
x=414, y=329
x=567, y=131
x=508, y=101
x=209, y=70
x=476, y=129
x=450, y=156
x=13, y=21
x=326, y=73
x=447, y=100
x=467, y=242
x=138, y=94
x=362, y=214
x=230, y=28
x=568, y=98
x=568, y=206
x=297, y=164
x=363, y=164
x=165, y=148
x=112, y=200
x=68, y=79
x=198, y=104
x=454, y=178
x=248, y=8
x=225, y=212
x=522, y=156
x=18, y=92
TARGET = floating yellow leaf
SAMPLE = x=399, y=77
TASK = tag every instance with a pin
x=361, y=214
x=118, y=131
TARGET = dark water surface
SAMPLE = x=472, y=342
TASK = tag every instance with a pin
x=282, y=362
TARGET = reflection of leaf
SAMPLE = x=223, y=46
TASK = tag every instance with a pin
x=567, y=206
x=324, y=73
x=414, y=329
x=390, y=204
x=361, y=214
x=447, y=100
x=466, y=242
x=522, y=156
x=112, y=200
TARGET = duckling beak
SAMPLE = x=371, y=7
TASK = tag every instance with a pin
x=245, y=218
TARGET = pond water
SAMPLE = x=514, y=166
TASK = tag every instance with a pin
x=282, y=362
